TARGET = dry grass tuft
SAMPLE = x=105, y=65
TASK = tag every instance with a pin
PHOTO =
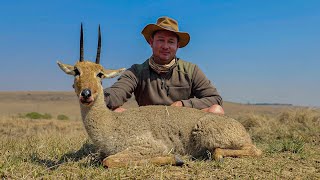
x=293, y=124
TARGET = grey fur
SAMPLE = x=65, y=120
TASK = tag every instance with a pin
x=157, y=130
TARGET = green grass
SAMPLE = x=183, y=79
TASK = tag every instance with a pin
x=293, y=145
x=287, y=145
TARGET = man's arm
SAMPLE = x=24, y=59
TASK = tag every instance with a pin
x=205, y=93
x=116, y=95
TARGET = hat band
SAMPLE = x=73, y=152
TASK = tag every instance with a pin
x=168, y=28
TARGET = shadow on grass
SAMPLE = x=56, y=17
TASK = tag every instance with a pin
x=87, y=154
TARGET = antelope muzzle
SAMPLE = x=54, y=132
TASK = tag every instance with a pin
x=86, y=97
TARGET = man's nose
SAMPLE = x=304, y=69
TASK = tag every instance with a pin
x=165, y=45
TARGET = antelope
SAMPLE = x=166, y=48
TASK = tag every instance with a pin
x=151, y=134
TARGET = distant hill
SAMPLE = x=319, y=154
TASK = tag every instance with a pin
x=270, y=104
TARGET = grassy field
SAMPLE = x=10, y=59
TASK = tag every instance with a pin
x=49, y=148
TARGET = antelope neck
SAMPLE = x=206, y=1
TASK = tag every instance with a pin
x=88, y=112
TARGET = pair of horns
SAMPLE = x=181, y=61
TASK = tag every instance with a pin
x=98, y=49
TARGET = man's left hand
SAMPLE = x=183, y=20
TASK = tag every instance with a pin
x=177, y=104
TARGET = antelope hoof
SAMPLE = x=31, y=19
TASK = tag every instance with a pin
x=218, y=155
x=105, y=163
x=110, y=163
x=179, y=161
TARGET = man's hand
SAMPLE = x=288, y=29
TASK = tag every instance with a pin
x=177, y=104
x=119, y=109
x=216, y=109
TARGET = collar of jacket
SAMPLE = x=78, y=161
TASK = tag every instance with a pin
x=162, y=69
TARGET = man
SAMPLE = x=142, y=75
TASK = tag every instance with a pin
x=164, y=79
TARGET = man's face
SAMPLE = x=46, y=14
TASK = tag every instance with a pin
x=164, y=45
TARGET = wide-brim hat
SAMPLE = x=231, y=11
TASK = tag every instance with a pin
x=169, y=24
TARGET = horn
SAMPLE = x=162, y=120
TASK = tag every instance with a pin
x=81, y=44
x=99, y=47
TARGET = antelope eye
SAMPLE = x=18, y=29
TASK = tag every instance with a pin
x=76, y=72
x=100, y=75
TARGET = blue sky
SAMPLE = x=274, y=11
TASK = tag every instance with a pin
x=252, y=51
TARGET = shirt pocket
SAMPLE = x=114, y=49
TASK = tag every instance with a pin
x=178, y=93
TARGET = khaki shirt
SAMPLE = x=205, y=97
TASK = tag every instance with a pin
x=151, y=88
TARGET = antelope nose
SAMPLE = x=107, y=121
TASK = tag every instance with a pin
x=86, y=93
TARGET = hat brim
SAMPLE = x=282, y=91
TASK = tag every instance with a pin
x=147, y=32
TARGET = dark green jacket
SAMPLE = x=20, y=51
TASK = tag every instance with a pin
x=185, y=82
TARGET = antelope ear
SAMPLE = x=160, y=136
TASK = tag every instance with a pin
x=68, y=69
x=111, y=73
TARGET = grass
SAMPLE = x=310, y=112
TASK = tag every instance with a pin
x=287, y=145
x=292, y=124
x=53, y=149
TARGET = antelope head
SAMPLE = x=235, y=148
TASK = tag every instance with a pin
x=88, y=75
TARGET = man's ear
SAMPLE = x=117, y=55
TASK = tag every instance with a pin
x=68, y=69
x=150, y=41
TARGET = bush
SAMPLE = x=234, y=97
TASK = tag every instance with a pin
x=62, y=117
x=35, y=115
x=46, y=116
